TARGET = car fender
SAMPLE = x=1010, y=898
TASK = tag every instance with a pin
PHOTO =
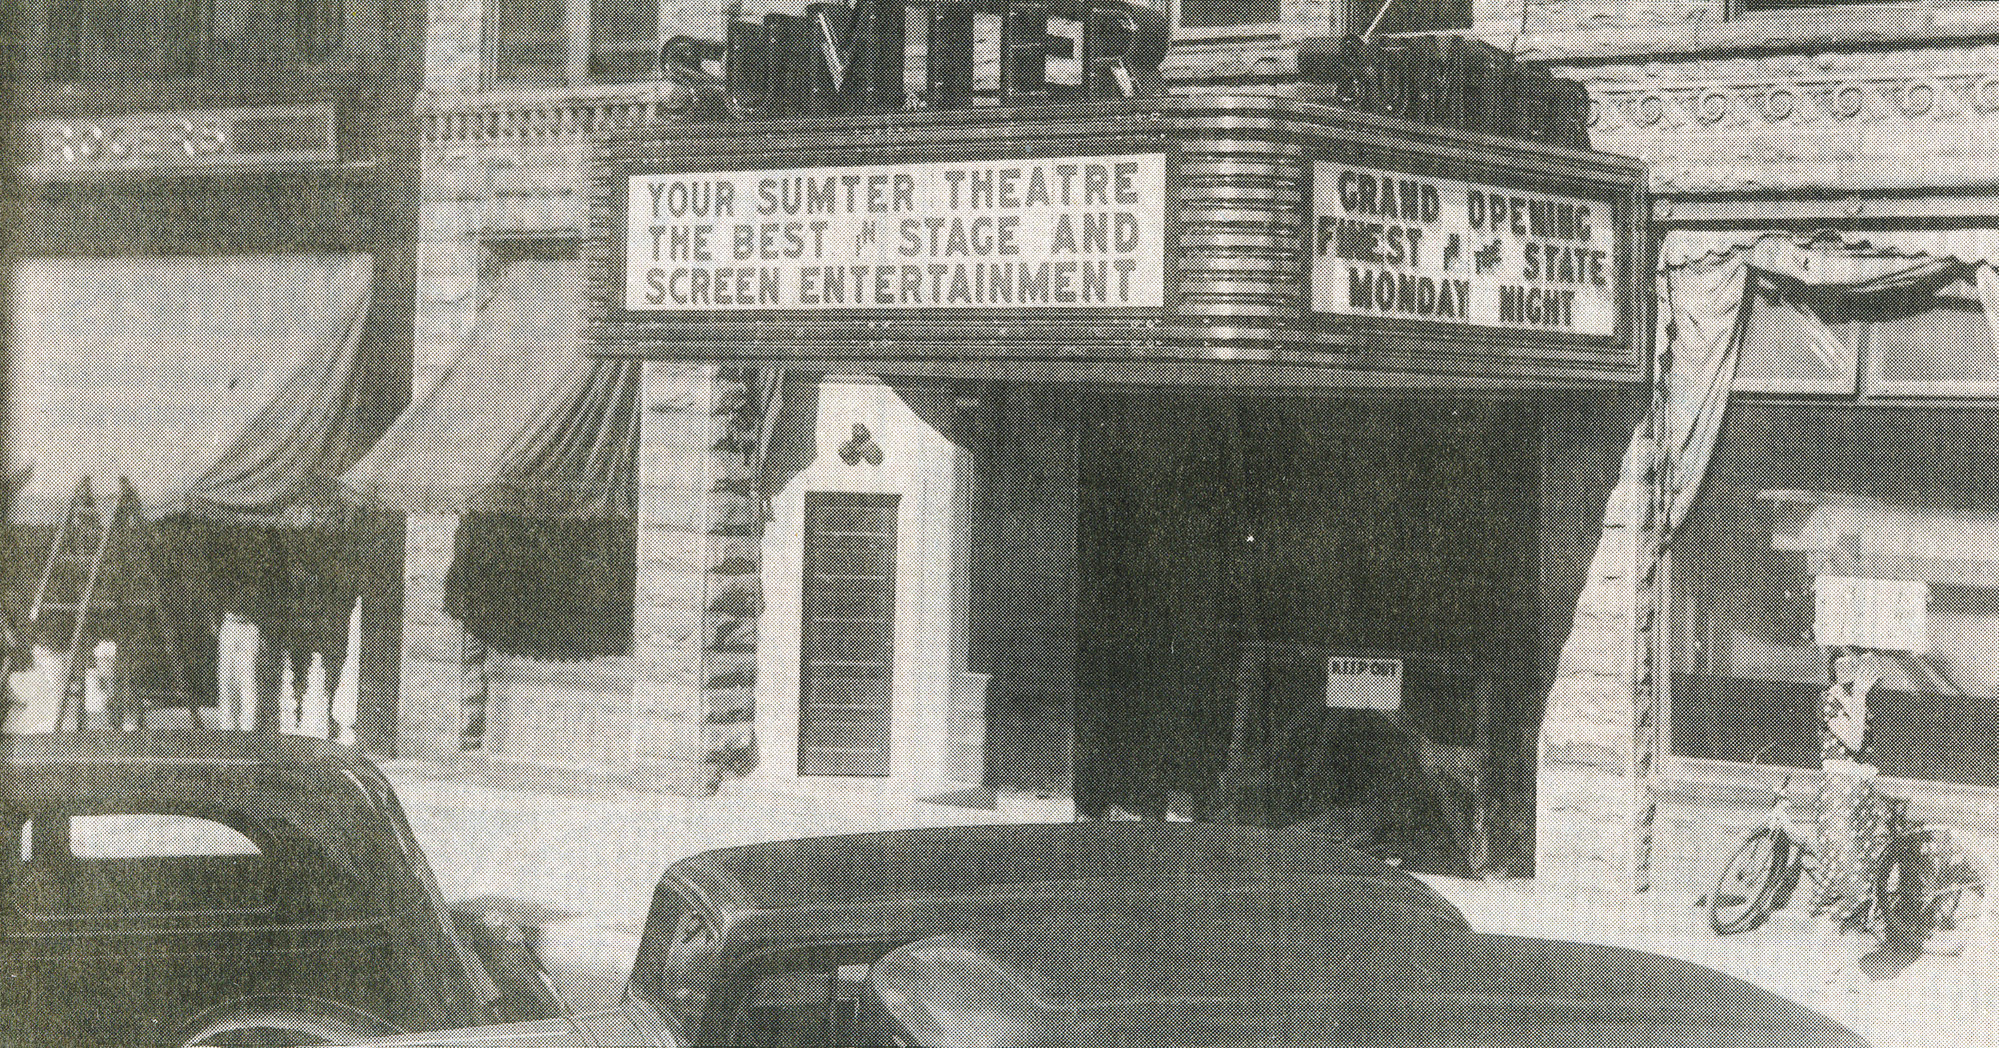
x=330, y=1022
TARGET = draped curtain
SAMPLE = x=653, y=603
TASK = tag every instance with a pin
x=1704, y=282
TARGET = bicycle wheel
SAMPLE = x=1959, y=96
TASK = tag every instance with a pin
x=1746, y=891
x=1902, y=892
x=1956, y=896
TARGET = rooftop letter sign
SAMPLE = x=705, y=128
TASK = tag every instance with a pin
x=1064, y=232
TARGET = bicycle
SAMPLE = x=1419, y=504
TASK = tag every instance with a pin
x=1922, y=883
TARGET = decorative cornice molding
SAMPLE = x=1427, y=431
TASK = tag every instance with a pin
x=1866, y=27
x=1915, y=97
x=545, y=117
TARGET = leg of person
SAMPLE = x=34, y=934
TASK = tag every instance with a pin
x=235, y=671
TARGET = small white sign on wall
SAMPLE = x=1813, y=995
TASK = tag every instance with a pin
x=1363, y=683
x=1889, y=614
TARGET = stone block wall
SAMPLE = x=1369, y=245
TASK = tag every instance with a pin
x=1593, y=780
x=452, y=45
x=428, y=710
x=694, y=655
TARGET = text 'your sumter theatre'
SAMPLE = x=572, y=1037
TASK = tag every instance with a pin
x=1067, y=231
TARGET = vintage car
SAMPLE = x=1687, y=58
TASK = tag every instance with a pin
x=781, y=944
x=210, y=888
x=1203, y=976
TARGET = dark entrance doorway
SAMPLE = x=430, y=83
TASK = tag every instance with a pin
x=1229, y=545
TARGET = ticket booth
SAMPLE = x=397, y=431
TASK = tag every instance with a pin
x=1074, y=439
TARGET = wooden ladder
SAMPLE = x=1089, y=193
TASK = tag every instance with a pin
x=100, y=582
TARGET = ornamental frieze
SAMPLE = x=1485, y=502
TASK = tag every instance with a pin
x=1915, y=99
x=1916, y=86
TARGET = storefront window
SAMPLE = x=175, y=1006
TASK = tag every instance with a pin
x=1208, y=14
x=1881, y=496
x=1743, y=8
x=1796, y=341
x=1939, y=344
x=528, y=43
x=1403, y=16
x=1922, y=340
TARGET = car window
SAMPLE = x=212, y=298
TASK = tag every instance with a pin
x=693, y=940
x=124, y=864
x=139, y=836
x=815, y=1006
x=689, y=948
x=672, y=969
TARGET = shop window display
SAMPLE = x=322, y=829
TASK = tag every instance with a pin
x=1879, y=499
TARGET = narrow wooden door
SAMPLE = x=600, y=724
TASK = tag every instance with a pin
x=848, y=646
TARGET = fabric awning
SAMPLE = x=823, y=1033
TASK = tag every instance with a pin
x=520, y=421
x=223, y=386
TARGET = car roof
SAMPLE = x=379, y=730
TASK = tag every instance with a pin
x=108, y=768
x=1274, y=983
x=860, y=869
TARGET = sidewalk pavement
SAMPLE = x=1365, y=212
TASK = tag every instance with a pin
x=587, y=856
x=1933, y=1001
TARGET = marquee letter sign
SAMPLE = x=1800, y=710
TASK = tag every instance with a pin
x=837, y=59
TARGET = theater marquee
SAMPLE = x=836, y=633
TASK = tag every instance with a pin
x=1389, y=244
x=1206, y=238
x=1081, y=232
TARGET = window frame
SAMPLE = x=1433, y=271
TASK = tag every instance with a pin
x=836, y=957
x=1845, y=383
x=1874, y=383
x=1860, y=376
x=191, y=48
x=1270, y=27
x=41, y=848
x=1319, y=17
x=579, y=49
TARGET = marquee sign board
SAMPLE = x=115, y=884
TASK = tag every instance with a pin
x=1065, y=232
x=1241, y=238
x=1392, y=244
